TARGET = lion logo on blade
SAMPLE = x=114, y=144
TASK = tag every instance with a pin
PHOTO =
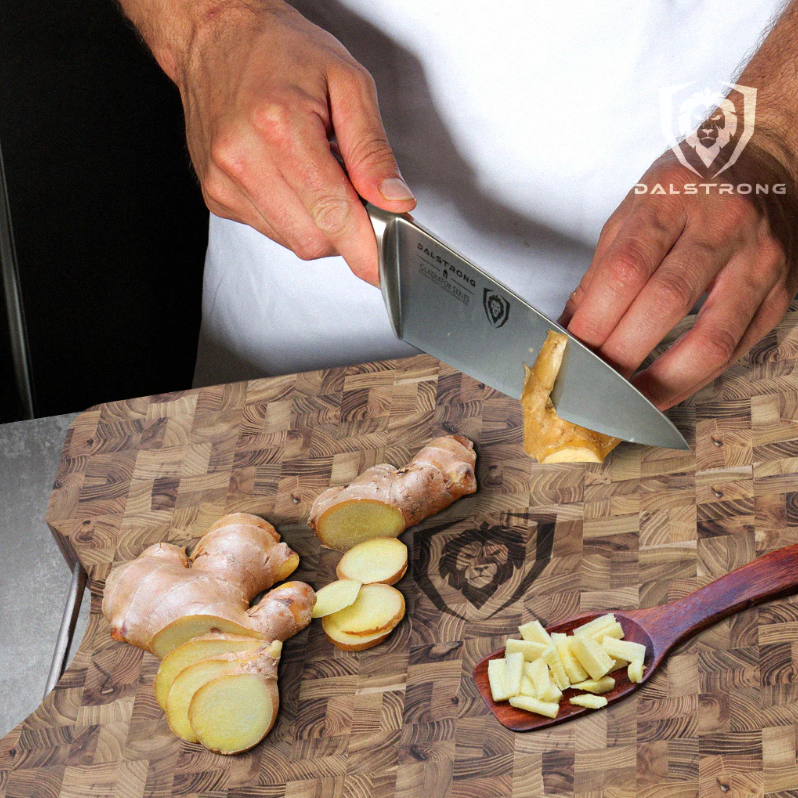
x=497, y=308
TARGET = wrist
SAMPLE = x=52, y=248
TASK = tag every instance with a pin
x=173, y=28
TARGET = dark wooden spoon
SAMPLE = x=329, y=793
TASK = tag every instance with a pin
x=661, y=628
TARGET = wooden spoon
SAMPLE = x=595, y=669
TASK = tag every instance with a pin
x=661, y=628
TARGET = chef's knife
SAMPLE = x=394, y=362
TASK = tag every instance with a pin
x=444, y=305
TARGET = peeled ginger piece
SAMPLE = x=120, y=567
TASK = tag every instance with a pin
x=336, y=596
x=589, y=701
x=377, y=608
x=547, y=437
x=233, y=712
x=376, y=560
x=194, y=650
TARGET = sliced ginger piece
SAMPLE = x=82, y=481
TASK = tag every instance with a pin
x=592, y=657
x=189, y=680
x=624, y=649
x=513, y=673
x=496, y=672
x=374, y=561
x=528, y=687
x=589, y=701
x=347, y=642
x=573, y=670
x=199, y=648
x=383, y=501
x=377, y=608
x=183, y=630
x=531, y=649
x=535, y=633
x=538, y=671
x=547, y=437
x=597, y=686
x=548, y=708
x=233, y=712
x=635, y=671
x=336, y=596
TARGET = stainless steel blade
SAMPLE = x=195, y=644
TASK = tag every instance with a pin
x=448, y=307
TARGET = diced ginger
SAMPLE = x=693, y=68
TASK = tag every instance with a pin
x=535, y=633
x=528, y=687
x=529, y=648
x=496, y=671
x=617, y=664
x=596, y=623
x=602, y=685
x=589, y=701
x=552, y=659
x=513, y=673
x=547, y=708
x=551, y=693
x=573, y=670
x=635, y=671
x=592, y=657
x=335, y=596
x=612, y=630
x=624, y=649
x=538, y=671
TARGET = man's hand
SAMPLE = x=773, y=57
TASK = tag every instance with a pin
x=264, y=93
x=658, y=254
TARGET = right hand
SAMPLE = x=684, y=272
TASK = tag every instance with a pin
x=265, y=92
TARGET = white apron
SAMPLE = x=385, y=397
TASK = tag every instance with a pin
x=518, y=125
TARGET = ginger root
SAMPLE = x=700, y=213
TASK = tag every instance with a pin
x=164, y=598
x=547, y=437
x=383, y=501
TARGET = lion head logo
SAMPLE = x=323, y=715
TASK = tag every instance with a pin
x=497, y=308
x=702, y=125
x=481, y=570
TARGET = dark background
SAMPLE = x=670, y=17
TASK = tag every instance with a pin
x=109, y=223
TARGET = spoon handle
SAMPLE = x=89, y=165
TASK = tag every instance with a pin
x=767, y=577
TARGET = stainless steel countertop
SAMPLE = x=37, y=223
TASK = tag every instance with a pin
x=34, y=577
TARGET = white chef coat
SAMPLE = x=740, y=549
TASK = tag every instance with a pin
x=519, y=125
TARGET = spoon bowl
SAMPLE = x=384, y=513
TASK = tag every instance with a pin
x=659, y=629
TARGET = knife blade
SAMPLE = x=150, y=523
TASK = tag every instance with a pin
x=443, y=304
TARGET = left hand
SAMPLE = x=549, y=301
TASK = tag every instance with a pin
x=657, y=255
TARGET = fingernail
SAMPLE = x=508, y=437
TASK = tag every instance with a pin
x=394, y=188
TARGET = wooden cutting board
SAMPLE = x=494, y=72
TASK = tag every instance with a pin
x=404, y=719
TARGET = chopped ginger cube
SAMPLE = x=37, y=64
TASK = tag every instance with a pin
x=547, y=708
x=529, y=648
x=624, y=649
x=602, y=685
x=513, y=673
x=589, y=701
x=552, y=659
x=573, y=670
x=592, y=657
x=635, y=671
x=535, y=633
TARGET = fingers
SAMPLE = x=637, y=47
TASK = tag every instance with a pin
x=619, y=273
x=363, y=142
x=331, y=202
x=667, y=297
x=740, y=309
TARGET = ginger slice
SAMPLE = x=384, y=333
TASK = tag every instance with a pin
x=377, y=608
x=547, y=437
x=347, y=642
x=190, y=679
x=194, y=650
x=376, y=560
x=336, y=596
x=383, y=501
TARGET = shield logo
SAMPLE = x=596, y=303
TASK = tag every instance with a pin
x=497, y=308
x=708, y=127
x=474, y=572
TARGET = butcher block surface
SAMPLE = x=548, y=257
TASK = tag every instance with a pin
x=405, y=719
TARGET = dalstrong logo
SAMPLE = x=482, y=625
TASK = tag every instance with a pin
x=708, y=128
x=497, y=308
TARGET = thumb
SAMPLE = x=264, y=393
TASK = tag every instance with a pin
x=363, y=143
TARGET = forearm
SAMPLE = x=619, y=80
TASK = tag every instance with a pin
x=773, y=72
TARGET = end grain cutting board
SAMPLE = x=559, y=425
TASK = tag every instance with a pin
x=404, y=719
